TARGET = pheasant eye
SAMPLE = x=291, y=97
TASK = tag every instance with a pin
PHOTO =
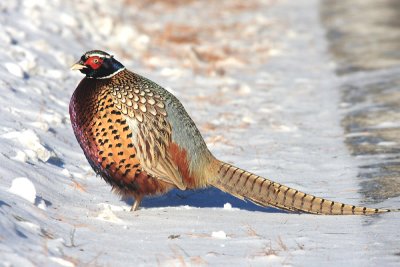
x=94, y=62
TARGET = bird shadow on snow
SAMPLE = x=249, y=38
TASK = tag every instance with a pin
x=203, y=198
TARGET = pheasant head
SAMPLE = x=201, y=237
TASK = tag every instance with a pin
x=97, y=64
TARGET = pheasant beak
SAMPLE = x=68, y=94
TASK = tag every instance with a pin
x=78, y=66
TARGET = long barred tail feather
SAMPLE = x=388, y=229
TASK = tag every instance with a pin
x=264, y=192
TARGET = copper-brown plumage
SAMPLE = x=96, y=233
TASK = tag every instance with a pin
x=105, y=137
x=140, y=139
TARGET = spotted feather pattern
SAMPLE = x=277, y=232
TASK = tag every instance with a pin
x=144, y=108
x=106, y=139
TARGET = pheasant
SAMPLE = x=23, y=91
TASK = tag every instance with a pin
x=139, y=138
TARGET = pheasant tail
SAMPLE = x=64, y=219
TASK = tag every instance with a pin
x=264, y=192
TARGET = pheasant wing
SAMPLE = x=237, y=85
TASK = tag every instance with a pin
x=153, y=139
x=145, y=113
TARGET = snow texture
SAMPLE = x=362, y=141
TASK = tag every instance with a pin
x=256, y=78
x=24, y=188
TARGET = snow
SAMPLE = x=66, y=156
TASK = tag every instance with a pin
x=256, y=78
x=30, y=142
x=108, y=215
x=219, y=235
x=62, y=262
x=24, y=188
x=227, y=206
x=14, y=69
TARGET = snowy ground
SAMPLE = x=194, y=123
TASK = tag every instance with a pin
x=256, y=78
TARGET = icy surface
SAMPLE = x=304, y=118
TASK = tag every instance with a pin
x=255, y=77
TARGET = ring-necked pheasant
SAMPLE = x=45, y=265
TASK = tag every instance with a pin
x=139, y=138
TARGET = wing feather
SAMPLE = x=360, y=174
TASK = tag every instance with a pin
x=152, y=133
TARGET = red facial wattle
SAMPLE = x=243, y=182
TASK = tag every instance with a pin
x=94, y=62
